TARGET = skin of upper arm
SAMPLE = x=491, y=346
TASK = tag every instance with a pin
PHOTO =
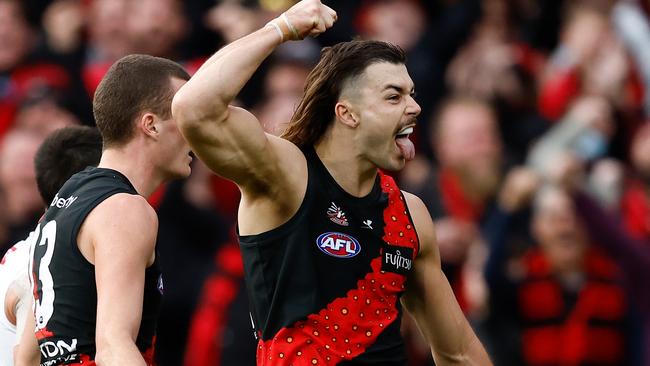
x=235, y=146
x=431, y=301
x=428, y=259
x=123, y=231
x=271, y=172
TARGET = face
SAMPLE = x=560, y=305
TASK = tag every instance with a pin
x=558, y=231
x=108, y=28
x=399, y=22
x=173, y=150
x=17, y=174
x=155, y=26
x=467, y=142
x=381, y=101
x=15, y=35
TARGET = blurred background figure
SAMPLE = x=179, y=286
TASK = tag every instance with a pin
x=514, y=93
x=22, y=203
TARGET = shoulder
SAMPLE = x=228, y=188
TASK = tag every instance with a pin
x=421, y=220
x=125, y=210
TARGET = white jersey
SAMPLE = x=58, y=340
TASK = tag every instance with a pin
x=14, y=266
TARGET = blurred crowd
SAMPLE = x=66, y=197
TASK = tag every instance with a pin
x=533, y=158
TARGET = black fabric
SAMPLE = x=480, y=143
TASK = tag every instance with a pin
x=289, y=276
x=74, y=306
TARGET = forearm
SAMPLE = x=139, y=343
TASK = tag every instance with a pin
x=117, y=350
x=27, y=353
x=216, y=84
x=439, y=317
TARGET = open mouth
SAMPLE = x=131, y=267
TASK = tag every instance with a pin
x=404, y=132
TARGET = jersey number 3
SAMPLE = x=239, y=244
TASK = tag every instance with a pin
x=44, y=284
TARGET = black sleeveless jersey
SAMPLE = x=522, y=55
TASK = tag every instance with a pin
x=65, y=292
x=325, y=286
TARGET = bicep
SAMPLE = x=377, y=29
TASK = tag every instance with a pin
x=237, y=148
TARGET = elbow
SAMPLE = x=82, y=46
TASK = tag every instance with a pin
x=191, y=112
x=183, y=111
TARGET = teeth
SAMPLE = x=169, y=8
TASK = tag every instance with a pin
x=405, y=132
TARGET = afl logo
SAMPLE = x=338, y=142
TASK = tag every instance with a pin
x=338, y=245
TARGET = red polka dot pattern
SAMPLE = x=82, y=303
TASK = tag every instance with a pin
x=349, y=325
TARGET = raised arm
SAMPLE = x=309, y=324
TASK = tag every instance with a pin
x=123, y=246
x=228, y=139
x=431, y=301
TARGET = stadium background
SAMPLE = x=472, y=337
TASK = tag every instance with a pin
x=514, y=93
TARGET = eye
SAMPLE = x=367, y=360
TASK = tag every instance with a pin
x=393, y=97
x=414, y=95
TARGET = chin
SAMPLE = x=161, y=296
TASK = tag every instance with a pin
x=394, y=165
x=180, y=173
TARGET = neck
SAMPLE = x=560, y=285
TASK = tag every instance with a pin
x=135, y=166
x=351, y=171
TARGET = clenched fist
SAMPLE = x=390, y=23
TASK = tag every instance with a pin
x=306, y=18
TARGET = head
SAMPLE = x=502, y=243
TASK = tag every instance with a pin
x=16, y=34
x=400, y=22
x=156, y=26
x=283, y=86
x=557, y=230
x=362, y=90
x=17, y=177
x=43, y=112
x=466, y=141
x=133, y=103
x=63, y=153
x=107, y=28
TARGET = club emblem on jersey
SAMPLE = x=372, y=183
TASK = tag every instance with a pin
x=337, y=215
x=338, y=245
x=160, y=286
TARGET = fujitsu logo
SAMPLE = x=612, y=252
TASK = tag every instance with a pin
x=63, y=202
x=397, y=259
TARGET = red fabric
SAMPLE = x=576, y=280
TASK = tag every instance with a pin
x=455, y=201
x=347, y=326
x=209, y=320
x=92, y=74
x=636, y=211
x=7, y=114
x=528, y=58
x=227, y=196
x=557, y=93
x=193, y=65
x=571, y=339
x=157, y=196
x=26, y=78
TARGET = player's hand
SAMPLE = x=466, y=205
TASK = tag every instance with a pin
x=310, y=18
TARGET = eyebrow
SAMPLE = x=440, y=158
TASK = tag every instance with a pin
x=398, y=88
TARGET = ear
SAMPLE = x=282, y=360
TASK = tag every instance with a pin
x=148, y=123
x=345, y=114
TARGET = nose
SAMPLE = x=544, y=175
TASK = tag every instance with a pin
x=413, y=109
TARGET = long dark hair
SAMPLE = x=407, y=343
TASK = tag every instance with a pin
x=337, y=65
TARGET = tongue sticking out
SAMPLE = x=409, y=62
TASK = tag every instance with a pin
x=406, y=147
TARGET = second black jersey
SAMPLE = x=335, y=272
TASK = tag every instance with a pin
x=64, y=281
x=325, y=286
